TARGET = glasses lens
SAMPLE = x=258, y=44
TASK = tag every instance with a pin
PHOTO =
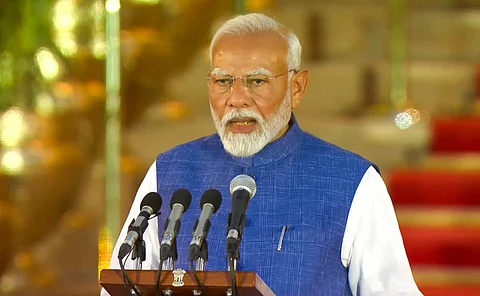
x=257, y=84
x=219, y=83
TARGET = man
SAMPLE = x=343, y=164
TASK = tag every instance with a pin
x=343, y=236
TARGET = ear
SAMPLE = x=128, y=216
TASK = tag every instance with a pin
x=298, y=86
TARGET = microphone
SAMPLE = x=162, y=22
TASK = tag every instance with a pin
x=242, y=188
x=209, y=203
x=179, y=204
x=151, y=204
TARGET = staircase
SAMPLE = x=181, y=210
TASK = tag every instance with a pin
x=438, y=208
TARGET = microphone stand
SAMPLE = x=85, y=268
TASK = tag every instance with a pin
x=139, y=249
x=200, y=256
x=233, y=245
x=234, y=238
x=138, y=255
x=233, y=255
x=139, y=252
x=168, y=255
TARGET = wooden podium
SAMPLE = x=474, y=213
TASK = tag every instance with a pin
x=215, y=283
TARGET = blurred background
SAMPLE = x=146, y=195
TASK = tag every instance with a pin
x=91, y=91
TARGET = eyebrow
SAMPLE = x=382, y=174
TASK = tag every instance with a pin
x=261, y=71
x=258, y=71
x=218, y=71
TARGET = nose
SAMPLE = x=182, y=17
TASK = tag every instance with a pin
x=239, y=96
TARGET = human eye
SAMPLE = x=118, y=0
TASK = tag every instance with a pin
x=223, y=80
x=257, y=80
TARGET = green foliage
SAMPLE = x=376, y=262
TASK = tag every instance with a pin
x=25, y=26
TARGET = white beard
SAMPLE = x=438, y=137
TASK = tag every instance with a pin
x=244, y=145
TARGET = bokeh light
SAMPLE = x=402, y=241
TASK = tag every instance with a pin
x=12, y=162
x=112, y=6
x=409, y=118
x=13, y=128
x=44, y=104
x=403, y=120
x=47, y=63
x=65, y=19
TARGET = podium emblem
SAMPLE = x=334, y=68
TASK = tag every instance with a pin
x=178, y=277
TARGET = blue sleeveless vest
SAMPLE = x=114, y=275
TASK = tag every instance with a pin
x=303, y=182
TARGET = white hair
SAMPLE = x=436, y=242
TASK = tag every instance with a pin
x=257, y=22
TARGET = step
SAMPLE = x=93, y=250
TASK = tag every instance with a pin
x=442, y=246
x=455, y=135
x=451, y=161
x=424, y=217
x=419, y=187
x=451, y=290
x=447, y=281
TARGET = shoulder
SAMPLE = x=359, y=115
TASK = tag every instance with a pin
x=315, y=148
x=319, y=146
x=191, y=150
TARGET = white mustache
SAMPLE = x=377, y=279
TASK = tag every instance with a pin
x=241, y=113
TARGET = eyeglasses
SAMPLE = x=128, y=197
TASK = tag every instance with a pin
x=256, y=83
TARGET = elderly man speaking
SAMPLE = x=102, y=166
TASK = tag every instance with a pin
x=321, y=221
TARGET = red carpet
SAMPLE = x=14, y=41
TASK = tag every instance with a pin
x=451, y=291
x=434, y=188
x=442, y=247
x=455, y=135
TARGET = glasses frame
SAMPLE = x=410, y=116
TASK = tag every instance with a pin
x=244, y=79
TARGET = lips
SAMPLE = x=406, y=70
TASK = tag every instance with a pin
x=242, y=125
x=242, y=121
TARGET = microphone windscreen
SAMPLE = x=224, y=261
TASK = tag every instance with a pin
x=213, y=197
x=183, y=197
x=153, y=200
x=243, y=182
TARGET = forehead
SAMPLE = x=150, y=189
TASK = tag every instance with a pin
x=242, y=54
